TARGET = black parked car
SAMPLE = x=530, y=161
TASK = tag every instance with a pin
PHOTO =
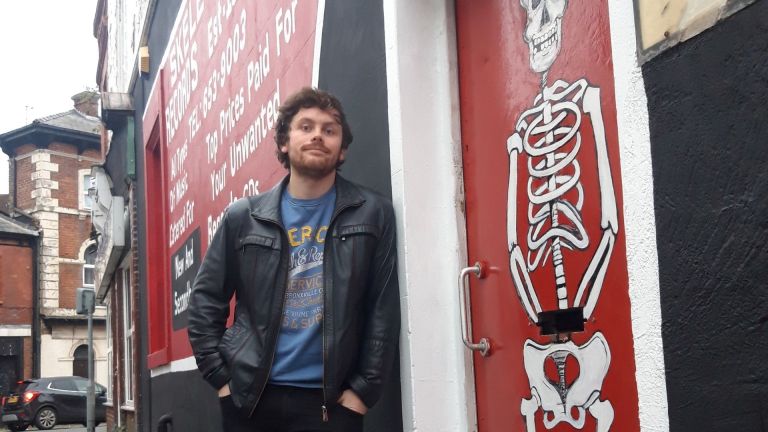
x=46, y=402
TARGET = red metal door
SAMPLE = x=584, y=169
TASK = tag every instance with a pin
x=543, y=208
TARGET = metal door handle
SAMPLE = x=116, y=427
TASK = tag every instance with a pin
x=484, y=346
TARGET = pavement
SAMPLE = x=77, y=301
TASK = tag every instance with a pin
x=68, y=428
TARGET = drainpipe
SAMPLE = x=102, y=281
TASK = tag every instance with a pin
x=36, y=303
x=12, y=179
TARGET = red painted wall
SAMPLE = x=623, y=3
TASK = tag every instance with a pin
x=498, y=87
x=208, y=137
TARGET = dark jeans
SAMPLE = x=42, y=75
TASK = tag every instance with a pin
x=290, y=409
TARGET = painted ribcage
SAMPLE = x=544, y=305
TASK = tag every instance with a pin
x=555, y=194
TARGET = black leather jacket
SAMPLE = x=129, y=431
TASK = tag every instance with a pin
x=248, y=257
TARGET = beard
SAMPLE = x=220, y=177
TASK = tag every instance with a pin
x=314, y=168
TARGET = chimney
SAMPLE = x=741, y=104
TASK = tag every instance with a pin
x=87, y=102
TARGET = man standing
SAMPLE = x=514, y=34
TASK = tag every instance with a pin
x=311, y=264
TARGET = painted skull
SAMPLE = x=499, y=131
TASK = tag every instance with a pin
x=543, y=31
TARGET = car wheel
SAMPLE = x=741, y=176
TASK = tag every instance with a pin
x=45, y=418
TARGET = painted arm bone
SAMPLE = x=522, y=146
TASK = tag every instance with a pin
x=517, y=265
x=592, y=281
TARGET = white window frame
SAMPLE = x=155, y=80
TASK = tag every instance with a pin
x=84, y=183
x=87, y=266
x=128, y=337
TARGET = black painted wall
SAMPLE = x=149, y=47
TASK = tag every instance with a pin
x=151, y=404
x=188, y=399
x=353, y=67
x=708, y=112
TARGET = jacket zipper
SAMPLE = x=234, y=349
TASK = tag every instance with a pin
x=280, y=315
x=324, y=406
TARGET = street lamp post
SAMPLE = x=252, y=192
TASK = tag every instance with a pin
x=85, y=304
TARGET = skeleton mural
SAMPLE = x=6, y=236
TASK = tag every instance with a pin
x=548, y=136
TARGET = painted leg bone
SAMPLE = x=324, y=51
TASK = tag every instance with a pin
x=557, y=399
x=528, y=408
x=602, y=411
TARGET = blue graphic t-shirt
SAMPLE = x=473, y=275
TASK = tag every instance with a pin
x=299, y=356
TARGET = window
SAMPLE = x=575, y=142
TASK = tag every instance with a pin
x=88, y=270
x=86, y=182
x=63, y=384
x=87, y=200
x=82, y=385
x=127, y=338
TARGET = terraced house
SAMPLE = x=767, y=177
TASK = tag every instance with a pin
x=50, y=174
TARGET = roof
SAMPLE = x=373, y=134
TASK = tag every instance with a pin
x=72, y=119
x=10, y=226
x=71, y=127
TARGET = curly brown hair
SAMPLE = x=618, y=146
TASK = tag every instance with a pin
x=308, y=97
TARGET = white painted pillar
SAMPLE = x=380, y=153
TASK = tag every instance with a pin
x=639, y=219
x=427, y=192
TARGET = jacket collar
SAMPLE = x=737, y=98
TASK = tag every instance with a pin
x=268, y=206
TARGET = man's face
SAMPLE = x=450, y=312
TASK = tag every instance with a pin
x=314, y=143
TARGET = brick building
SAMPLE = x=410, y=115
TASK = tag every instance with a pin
x=117, y=26
x=18, y=266
x=50, y=171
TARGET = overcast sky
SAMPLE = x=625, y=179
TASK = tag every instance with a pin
x=48, y=54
